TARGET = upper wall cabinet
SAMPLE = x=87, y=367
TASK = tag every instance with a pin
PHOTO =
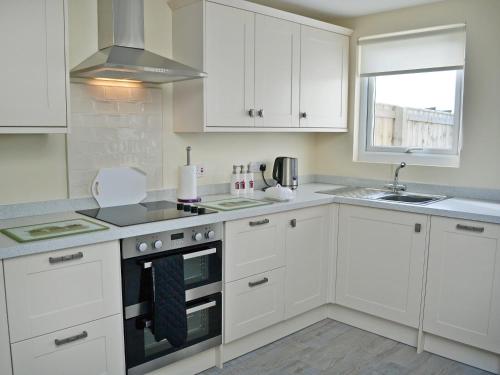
x=268, y=70
x=33, y=68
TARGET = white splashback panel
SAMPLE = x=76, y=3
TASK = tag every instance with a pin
x=114, y=126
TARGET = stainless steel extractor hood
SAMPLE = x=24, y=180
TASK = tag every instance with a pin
x=121, y=54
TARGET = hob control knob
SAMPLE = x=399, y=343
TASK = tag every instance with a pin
x=210, y=234
x=197, y=236
x=157, y=244
x=142, y=246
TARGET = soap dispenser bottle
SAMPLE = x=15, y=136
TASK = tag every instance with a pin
x=243, y=185
x=249, y=181
x=235, y=181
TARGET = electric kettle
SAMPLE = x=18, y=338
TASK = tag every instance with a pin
x=285, y=172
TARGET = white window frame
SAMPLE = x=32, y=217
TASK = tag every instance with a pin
x=364, y=151
x=376, y=154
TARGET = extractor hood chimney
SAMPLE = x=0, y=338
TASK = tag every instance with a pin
x=121, y=54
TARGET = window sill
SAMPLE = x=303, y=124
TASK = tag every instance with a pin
x=429, y=160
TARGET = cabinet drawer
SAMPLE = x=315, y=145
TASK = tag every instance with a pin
x=89, y=349
x=254, y=245
x=254, y=303
x=52, y=291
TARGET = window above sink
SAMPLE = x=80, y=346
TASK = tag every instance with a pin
x=410, y=89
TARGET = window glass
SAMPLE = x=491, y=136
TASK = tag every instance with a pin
x=414, y=111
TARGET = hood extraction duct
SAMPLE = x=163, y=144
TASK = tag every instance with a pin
x=121, y=54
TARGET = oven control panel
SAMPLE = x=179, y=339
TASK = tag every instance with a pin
x=170, y=240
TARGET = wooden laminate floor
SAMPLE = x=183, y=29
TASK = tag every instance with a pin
x=331, y=348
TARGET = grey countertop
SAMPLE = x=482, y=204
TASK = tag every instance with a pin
x=306, y=196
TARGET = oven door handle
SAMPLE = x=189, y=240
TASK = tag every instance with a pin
x=188, y=256
x=201, y=307
x=199, y=254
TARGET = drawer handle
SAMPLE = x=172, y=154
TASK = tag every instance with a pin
x=293, y=223
x=65, y=258
x=252, y=284
x=74, y=338
x=470, y=228
x=259, y=222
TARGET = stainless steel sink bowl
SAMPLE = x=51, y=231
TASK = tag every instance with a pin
x=384, y=195
x=411, y=198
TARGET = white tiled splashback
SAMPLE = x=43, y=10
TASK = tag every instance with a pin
x=114, y=126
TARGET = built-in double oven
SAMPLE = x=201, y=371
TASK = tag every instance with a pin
x=201, y=251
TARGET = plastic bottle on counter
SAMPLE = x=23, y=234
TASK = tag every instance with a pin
x=243, y=185
x=249, y=181
x=235, y=181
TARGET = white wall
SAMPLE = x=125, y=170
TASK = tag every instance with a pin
x=481, y=151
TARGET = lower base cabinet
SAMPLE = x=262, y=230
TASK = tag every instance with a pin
x=254, y=303
x=462, y=300
x=5, y=361
x=95, y=348
x=380, y=265
x=307, y=258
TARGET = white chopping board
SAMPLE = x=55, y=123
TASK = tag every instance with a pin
x=119, y=186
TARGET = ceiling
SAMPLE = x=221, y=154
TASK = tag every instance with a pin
x=340, y=8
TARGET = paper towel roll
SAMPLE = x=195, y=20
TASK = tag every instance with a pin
x=187, y=183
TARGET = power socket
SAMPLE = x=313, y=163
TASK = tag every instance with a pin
x=255, y=166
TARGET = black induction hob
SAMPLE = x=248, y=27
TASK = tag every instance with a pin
x=142, y=213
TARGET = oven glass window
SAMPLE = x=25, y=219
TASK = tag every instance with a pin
x=198, y=327
x=196, y=270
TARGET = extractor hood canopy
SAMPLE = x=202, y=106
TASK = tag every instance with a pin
x=121, y=54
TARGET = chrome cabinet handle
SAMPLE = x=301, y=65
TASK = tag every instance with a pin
x=470, y=228
x=418, y=228
x=252, y=284
x=261, y=113
x=66, y=258
x=251, y=113
x=68, y=340
x=259, y=222
x=303, y=114
x=293, y=223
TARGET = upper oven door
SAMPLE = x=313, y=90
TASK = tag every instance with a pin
x=202, y=273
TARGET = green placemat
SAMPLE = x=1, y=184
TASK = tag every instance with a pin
x=230, y=204
x=45, y=231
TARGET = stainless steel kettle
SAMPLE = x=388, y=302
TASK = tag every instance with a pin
x=285, y=172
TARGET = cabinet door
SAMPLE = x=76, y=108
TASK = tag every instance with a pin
x=462, y=300
x=230, y=66
x=51, y=291
x=33, y=65
x=254, y=303
x=5, y=364
x=323, y=79
x=277, y=67
x=381, y=262
x=253, y=246
x=95, y=348
x=307, y=245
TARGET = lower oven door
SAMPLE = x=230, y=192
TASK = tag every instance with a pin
x=144, y=353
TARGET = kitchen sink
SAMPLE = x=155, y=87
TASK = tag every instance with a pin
x=384, y=195
x=411, y=198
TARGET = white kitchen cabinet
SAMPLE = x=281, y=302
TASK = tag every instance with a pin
x=323, y=79
x=380, y=264
x=256, y=66
x=308, y=244
x=462, y=300
x=230, y=86
x=33, y=68
x=5, y=360
x=52, y=291
x=254, y=245
x=254, y=303
x=95, y=348
x=277, y=70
